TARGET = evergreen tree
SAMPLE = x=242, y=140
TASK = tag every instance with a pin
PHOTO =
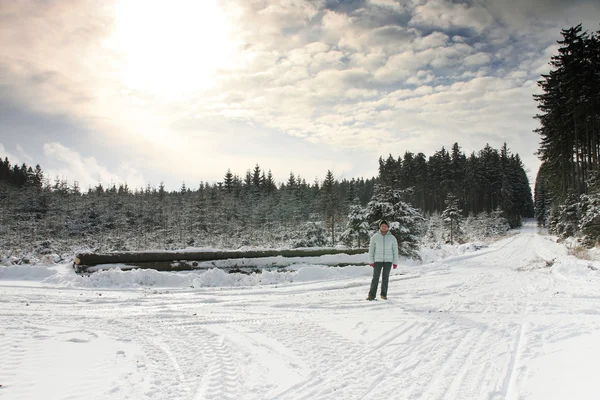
x=568, y=217
x=452, y=217
x=389, y=171
x=256, y=179
x=569, y=113
x=496, y=223
x=248, y=180
x=420, y=169
x=541, y=198
x=589, y=212
x=357, y=227
x=490, y=176
x=458, y=162
x=434, y=231
x=315, y=236
x=473, y=186
x=228, y=181
x=405, y=220
x=330, y=203
x=269, y=184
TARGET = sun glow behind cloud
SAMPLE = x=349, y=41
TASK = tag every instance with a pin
x=171, y=48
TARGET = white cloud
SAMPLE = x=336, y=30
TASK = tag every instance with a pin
x=421, y=78
x=433, y=40
x=370, y=62
x=334, y=24
x=395, y=5
x=13, y=158
x=444, y=14
x=518, y=15
x=87, y=171
x=24, y=153
x=477, y=59
x=401, y=66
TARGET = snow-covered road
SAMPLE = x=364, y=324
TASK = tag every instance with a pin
x=517, y=320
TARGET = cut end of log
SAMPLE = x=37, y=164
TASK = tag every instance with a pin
x=77, y=261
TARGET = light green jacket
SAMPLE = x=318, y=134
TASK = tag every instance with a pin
x=383, y=248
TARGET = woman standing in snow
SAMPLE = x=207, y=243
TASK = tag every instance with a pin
x=383, y=253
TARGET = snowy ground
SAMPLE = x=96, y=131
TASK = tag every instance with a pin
x=519, y=319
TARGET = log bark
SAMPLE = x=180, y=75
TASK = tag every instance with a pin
x=187, y=260
x=193, y=265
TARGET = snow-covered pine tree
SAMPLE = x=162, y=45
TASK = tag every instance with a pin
x=589, y=212
x=553, y=219
x=589, y=222
x=315, y=235
x=452, y=217
x=498, y=224
x=404, y=219
x=330, y=202
x=542, y=198
x=434, y=231
x=508, y=188
x=357, y=227
x=568, y=217
x=227, y=181
x=472, y=227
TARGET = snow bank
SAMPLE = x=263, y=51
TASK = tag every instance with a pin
x=431, y=255
x=574, y=267
x=117, y=278
x=307, y=269
x=26, y=272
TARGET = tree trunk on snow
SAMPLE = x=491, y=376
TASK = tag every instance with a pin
x=241, y=267
x=89, y=259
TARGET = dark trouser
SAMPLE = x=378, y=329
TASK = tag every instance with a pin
x=386, y=267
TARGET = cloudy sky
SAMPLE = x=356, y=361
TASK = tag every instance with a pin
x=144, y=91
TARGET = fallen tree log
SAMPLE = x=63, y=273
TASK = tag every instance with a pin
x=173, y=266
x=189, y=260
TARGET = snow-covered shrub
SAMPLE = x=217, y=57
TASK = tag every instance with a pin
x=357, y=227
x=434, y=231
x=589, y=219
x=484, y=225
x=452, y=218
x=568, y=217
x=497, y=223
x=315, y=235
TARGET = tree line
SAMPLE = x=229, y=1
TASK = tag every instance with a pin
x=481, y=182
x=248, y=211
x=254, y=210
x=20, y=176
x=566, y=187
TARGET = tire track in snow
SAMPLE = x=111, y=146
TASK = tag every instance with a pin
x=410, y=368
x=165, y=376
x=12, y=352
x=443, y=365
x=510, y=377
x=204, y=361
x=221, y=379
x=450, y=360
x=325, y=346
x=377, y=367
x=341, y=378
x=467, y=382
